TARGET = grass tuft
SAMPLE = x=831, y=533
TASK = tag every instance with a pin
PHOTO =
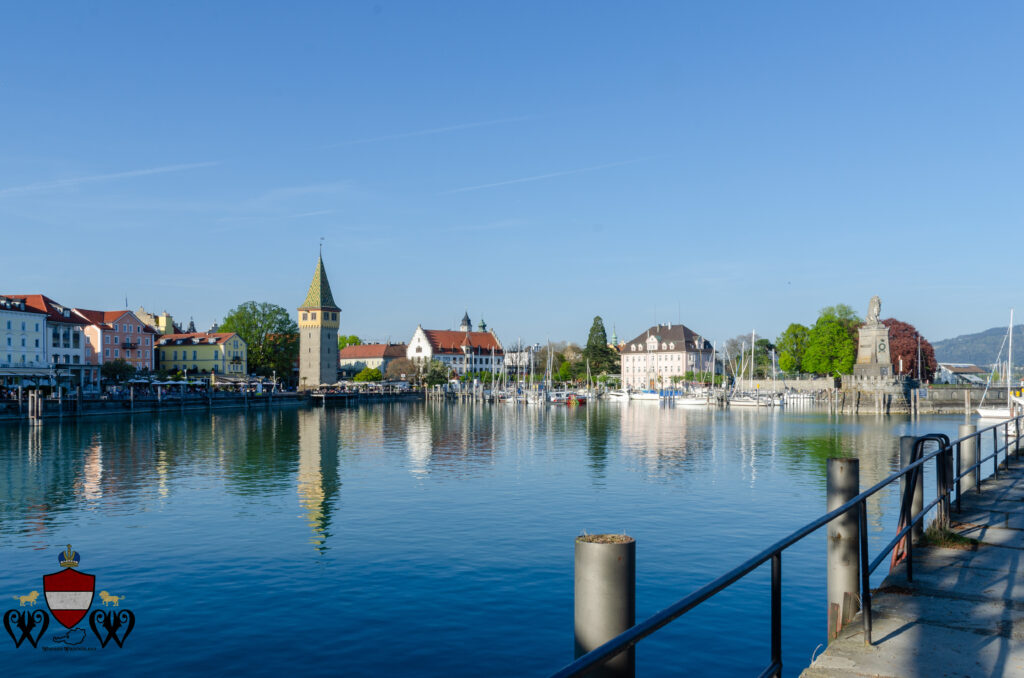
x=943, y=537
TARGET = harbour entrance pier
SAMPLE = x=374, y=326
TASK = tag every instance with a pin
x=951, y=604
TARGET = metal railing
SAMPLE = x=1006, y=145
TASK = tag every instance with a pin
x=945, y=486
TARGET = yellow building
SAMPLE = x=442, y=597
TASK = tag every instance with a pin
x=203, y=353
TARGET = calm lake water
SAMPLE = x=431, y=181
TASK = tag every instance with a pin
x=423, y=538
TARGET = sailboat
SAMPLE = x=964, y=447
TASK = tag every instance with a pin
x=1009, y=410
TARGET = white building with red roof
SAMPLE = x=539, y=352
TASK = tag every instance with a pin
x=63, y=347
x=354, y=359
x=22, y=341
x=462, y=351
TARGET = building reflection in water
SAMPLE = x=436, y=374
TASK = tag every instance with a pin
x=668, y=441
x=318, y=478
x=90, y=486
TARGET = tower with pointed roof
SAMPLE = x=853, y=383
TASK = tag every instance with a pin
x=467, y=324
x=319, y=319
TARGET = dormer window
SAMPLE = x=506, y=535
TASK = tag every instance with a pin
x=672, y=345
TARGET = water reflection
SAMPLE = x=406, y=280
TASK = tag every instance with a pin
x=318, y=479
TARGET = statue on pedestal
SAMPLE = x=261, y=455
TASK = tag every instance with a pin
x=874, y=309
x=873, y=360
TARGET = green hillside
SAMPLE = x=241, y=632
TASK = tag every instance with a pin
x=980, y=348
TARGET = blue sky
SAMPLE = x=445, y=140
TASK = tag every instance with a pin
x=732, y=165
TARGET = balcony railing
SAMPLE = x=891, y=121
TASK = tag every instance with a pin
x=130, y=344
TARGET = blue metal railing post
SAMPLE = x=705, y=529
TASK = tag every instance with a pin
x=777, y=612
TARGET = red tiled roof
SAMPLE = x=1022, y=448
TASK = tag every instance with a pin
x=221, y=337
x=450, y=341
x=43, y=304
x=373, y=351
x=29, y=308
x=104, y=318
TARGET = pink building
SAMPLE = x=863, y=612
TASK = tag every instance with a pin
x=117, y=335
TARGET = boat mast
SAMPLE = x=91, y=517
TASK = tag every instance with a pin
x=1009, y=368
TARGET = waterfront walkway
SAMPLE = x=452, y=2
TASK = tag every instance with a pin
x=963, y=614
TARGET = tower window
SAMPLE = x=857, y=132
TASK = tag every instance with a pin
x=313, y=316
x=305, y=316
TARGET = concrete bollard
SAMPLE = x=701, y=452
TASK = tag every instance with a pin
x=605, y=597
x=843, y=562
x=968, y=457
x=917, y=503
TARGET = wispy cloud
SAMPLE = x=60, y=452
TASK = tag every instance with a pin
x=435, y=130
x=317, y=213
x=540, y=177
x=95, y=178
x=278, y=195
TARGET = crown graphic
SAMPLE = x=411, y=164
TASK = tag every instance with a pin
x=69, y=558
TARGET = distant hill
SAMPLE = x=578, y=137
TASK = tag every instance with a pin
x=980, y=348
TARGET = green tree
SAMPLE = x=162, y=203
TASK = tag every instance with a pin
x=603, y=359
x=846, y=316
x=792, y=344
x=261, y=324
x=830, y=349
x=284, y=350
x=368, y=374
x=118, y=370
x=565, y=372
x=350, y=340
x=435, y=373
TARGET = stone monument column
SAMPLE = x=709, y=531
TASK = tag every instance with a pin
x=873, y=359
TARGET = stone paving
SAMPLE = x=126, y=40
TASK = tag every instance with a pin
x=963, y=615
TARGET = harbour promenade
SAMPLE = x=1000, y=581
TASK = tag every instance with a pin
x=54, y=409
x=962, y=612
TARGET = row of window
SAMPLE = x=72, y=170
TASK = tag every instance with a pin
x=328, y=315
x=23, y=325
x=107, y=340
x=10, y=341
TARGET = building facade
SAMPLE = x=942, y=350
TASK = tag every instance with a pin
x=354, y=359
x=64, y=342
x=203, y=353
x=116, y=335
x=22, y=341
x=319, y=319
x=163, y=323
x=652, y=359
x=461, y=351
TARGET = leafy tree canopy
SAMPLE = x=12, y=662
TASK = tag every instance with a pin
x=259, y=324
x=830, y=350
x=435, y=373
x=118, y=370
x=350, y=340
x=903, y=343
x=791, y=345
x=368, y=374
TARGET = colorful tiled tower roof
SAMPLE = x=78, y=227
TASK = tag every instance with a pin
x=319, y=295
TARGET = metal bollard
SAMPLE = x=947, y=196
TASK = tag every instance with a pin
x=843, y=562
x=917, y=503
x=605, y=597
x=968, y=457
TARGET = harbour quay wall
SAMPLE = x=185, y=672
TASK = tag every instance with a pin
x=12, y=410
x=802, y=385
